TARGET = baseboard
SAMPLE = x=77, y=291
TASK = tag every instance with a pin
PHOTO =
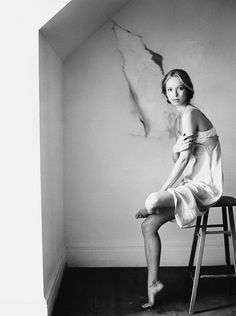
x=54, y=283
x=132, y=254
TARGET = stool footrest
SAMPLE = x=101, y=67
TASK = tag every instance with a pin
x=219, y=232
x=211, y=276
x=213, y=225
x=215, y=232
x=203, y=276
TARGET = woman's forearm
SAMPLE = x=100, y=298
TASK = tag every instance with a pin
x=176, y=172
x=175, y=155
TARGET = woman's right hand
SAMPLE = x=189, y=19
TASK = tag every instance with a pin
x=143, y=213
x=183, y=143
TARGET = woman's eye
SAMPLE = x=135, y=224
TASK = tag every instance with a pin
x=181, y=88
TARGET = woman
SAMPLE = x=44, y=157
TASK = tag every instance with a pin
x=197, y=156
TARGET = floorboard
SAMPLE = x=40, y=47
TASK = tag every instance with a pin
x=121, y=291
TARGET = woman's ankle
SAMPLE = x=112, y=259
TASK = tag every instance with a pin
x=154, y=283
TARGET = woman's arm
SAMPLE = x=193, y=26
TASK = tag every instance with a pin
x=175, y=155
x=183, y=143
x=189, y=127
x=178, y=169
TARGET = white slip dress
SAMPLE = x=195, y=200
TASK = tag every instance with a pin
x=202, y=184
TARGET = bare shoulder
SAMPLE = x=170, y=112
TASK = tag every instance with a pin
x=191, y=114
x=190, y=119
x=194, y=115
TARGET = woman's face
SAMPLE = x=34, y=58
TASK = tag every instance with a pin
x=176, y=91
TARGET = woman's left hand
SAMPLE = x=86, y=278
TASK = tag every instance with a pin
x=143, y=213
x=183, y=143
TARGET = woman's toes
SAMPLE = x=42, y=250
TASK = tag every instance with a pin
x=147, y=305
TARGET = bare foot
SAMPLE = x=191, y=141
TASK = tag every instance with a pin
x=142, y=213
x=152, y=292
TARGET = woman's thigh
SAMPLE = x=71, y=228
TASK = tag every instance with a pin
x=160, y=200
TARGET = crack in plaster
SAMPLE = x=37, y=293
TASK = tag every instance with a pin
x=143, y=79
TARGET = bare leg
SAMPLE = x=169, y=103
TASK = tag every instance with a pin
x=152, y=244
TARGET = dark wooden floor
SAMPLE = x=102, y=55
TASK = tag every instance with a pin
x=121, y=291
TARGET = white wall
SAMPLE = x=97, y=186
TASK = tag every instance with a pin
x=21, y=286
x=51, y=166
x=109, y=172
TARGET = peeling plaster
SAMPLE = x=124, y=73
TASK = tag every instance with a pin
x=143, y=71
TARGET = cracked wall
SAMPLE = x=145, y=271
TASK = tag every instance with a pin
x=143, y=72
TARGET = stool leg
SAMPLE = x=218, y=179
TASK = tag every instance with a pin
x=226, y=237
x=233, y=234
x=198, y=263
x=194, y=244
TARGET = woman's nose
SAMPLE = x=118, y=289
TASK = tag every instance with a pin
x=175, y=93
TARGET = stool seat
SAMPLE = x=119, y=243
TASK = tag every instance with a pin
x=227, y=226
x=225, y=201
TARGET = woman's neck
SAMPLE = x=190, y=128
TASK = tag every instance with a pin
x=181, y=109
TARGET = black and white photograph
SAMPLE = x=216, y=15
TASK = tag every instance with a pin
x=118, y=162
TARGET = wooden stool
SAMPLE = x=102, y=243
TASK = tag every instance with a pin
x=226, y=203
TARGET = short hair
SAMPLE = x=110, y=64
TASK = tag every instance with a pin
x=184, y=78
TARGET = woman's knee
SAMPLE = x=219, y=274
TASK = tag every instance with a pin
x=159, y=200
x=152, y=200
x=150, y=225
